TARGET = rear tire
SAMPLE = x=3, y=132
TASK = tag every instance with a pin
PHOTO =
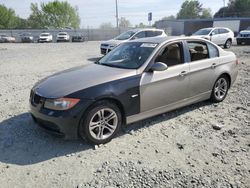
x=220, y=89
x=228, y=44
x=100, y=123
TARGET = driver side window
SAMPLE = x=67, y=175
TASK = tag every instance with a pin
x=171, y=55
x=215, y=32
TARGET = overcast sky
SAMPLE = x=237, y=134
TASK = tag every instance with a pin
x=95, y=12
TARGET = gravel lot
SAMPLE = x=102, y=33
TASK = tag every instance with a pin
x=177, y=149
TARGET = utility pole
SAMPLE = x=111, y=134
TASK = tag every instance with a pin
x=117, y=18
x=224, y=6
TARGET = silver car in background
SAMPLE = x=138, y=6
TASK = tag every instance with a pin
x=107, y=46
x=62, y=37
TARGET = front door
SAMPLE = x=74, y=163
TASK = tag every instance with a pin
x=162, y=88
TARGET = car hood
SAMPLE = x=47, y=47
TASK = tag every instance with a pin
x=245, y=32
x=75, y=79
x=113, y=42
x=44, y=37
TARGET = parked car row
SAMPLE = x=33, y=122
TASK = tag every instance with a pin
x=219, y=35
x=60, y=37
x=43, y=37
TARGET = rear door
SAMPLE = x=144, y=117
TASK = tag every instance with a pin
x=216, y=37
x=224, y=35
x=204, y=57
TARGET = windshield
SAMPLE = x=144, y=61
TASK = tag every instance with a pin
x=125, y=36
x=44, y=35
x=26, y=34
x=248, y=28
x=203, y=32
x=62, y=33
x=128, y=55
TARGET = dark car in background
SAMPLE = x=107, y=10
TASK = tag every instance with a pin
x=6, y=38
x=243, y=37
x=27, y=37
x=78, y=38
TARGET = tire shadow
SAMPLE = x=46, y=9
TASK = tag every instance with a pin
x=22, y=142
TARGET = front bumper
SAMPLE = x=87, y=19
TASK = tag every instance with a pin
x=44, y=40
x=243, y=40
x=62, y=39
x=27, y=40
x=61, y=123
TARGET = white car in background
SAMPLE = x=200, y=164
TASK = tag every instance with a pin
x=107, y=46
x=62, y=37
x=45, y=37
x=218, y=35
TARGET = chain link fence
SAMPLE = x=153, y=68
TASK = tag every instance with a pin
x=89, y=34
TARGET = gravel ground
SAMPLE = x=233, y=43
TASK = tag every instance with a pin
x=202, y=145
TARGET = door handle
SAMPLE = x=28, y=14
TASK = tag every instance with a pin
x=214, y=65
x=183, y=73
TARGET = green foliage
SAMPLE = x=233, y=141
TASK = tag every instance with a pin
x=107, y=25
x=191, y=9
x=124, y=23
x=235, y=8
x=171, y=17
x=54, y=14
x=206, y=13
x=141, y=25
x=7, y=18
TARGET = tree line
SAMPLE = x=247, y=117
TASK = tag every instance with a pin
x=193, y=9
x=58, y=14
x=54, y=14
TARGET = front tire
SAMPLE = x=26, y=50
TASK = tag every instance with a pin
x=101, y=122
x=228, y=44
x=220, y=89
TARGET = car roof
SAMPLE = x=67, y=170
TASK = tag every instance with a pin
x=160, y=40
x=145, y=29
x=215, y=28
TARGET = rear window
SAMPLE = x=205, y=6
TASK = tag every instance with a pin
x=153, y=33
x=198, y=50
x=213, y=51
x=223, y=31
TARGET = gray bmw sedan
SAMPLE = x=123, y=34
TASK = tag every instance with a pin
x=136, y=80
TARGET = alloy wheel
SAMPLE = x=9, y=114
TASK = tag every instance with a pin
x=103, y=124
x=220, y=89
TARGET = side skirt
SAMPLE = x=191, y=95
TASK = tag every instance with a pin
x=167, y=108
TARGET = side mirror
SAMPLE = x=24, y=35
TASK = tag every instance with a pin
x=211, y=34
x=159, y=66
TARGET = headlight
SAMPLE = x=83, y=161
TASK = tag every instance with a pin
x=60, y=104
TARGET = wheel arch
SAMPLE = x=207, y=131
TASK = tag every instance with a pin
x=228, y=76
x=112, y=100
